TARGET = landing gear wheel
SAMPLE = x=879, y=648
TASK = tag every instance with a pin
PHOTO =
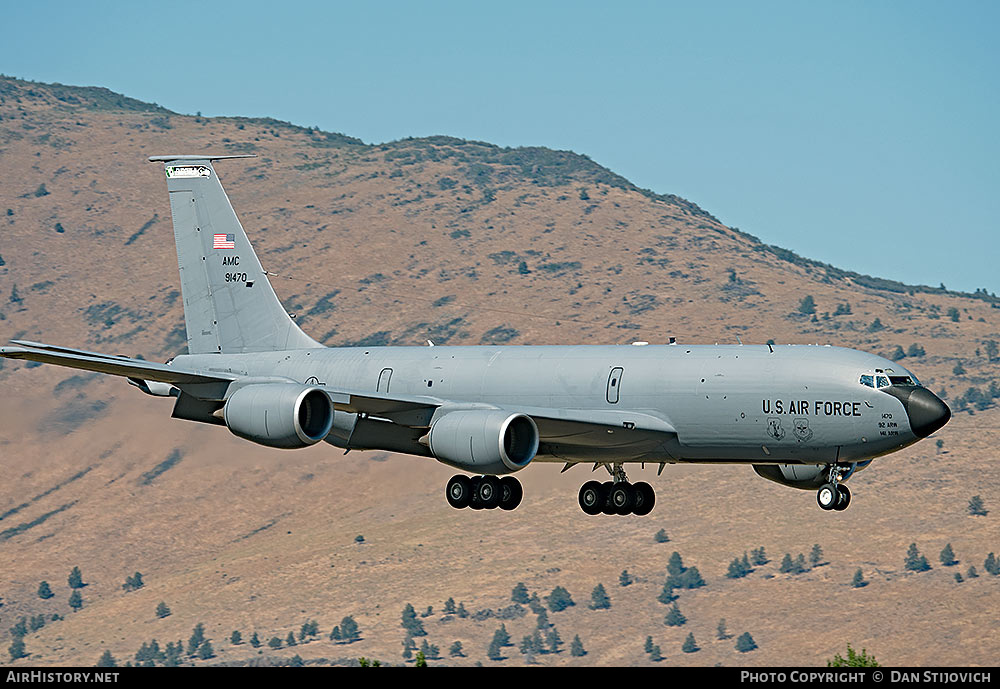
x=489, y=492
x=510, y=493
x=828, y=496
x=645, y=498
x=622, y=498
x=606, y=506
x=474, y=501
x=459, y=491
x=843, y=497
x=592, y=497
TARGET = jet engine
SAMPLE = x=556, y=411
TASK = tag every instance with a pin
x=283, y=415
x=484, y=441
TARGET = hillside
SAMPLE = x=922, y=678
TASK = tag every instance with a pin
x=462, y=243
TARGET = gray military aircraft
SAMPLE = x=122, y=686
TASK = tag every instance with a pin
x=803, y=416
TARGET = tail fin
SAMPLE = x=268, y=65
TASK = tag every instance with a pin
x=229, y=305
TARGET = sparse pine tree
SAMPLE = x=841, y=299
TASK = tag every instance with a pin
x=972, y=573
x=553, y=641
x=16, y=648
x=349, y=630
x=674, y=618
x=655, y=654
x=296, y=661
x=107, y=660
x=520, y=594
x=75, y=600
x=721, y=633
x=807, y=305
x=44, y=592
x=948, y=556
x=196, y=639
x=335, y=634
x=661, y=536
x=75, y=579
x=502, y=636
x=576, y=648
x=255, y=640
x=494, y=651
x=667, y=593
x=599, y=598
x=205, y=651
x=449, y=607
x=976, y=507
x=421, y=660
x=648, y=647
x=624, y=579
x=759, y=557
x=162, y=610
x=915, y=562
x=462, y=612
x=859, y=579
x=992, y=565
x=800, y=564
x=535, y=603
x=958, y=578
x=411, y=623
x=133, y=582
x=456, y=650
x=853, y=659
x=745, y=643
x=816, y=555
x=675, y=565
x=559, y=599
x=690, y=646
x=543, y=620
x=236, y=638
x=290, y=639
x=274, y=643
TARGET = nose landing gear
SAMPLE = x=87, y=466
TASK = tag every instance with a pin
x=835, y=495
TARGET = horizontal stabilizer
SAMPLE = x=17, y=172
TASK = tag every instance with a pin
x=189, y=156
x=114, y=365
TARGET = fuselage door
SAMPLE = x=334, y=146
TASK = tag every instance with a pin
x=614, y=384
x=383, y=380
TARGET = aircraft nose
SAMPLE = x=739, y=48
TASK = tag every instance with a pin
x=926, y=412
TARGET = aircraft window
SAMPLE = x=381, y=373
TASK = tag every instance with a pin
x=901, y=380
x=868, y=380
x=882, y=381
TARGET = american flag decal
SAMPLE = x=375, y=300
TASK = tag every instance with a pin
x=224, y=241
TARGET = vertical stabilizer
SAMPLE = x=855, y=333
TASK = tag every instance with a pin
x=229, y=305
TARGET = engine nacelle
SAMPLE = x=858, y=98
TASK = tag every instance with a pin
x=803, y=476
x=484, y=441
x=283, y=415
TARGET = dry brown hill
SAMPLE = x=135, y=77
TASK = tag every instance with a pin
x=462, y=243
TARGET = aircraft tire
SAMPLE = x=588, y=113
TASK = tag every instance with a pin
x=827, y=496
x=645, y=499
x=606, y=506
x=591, y=497
x=474, y=501
x=459, y=491
x=843, y=497
x=622, y=498
x=489, y=492
x=511, y=493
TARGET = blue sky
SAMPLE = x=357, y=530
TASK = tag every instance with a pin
x=862, y=134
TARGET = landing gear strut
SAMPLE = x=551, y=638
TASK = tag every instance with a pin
x=835, y=495
x=484, y=492
x=617, y=496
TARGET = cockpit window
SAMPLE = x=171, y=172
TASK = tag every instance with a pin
x=868, y=380
x=901, y=380
x=882, y=381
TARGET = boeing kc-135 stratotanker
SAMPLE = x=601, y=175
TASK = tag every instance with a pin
x=804, y=416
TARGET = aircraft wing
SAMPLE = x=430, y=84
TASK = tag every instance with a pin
x=108, y=363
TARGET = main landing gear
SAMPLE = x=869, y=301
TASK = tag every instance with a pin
x=617, y=496
x=484, y=492
x=834, y=495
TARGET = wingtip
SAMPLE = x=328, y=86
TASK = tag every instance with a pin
x=189, y=156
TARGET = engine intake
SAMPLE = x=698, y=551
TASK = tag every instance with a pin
x=484, y=441
x=283, y=415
